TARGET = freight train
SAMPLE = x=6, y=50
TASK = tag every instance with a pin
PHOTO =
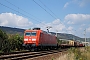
x=37, y=39
x=64, y=43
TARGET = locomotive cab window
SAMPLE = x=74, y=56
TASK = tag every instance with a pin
x=30, y=34
x=27, y=34
x=33, y=33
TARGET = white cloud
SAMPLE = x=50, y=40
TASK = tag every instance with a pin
x=79, y=22
x=70, y=28
x=56, y=25
x=66, y=4
x=57, y=21
x=84, y=3
x=74, y=24
x=80, y=3
x=77, y=18
x=13, y=20
x=88, y=29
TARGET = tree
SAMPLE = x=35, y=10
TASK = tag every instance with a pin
x=3, y=35
x=10, y=42
x=16, y=42
x=3, y=41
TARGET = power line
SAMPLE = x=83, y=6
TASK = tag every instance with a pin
x=22, y=9
x=11, y=3
x=48, y=9
x=19, y=12
x=29, y=13
x=44, y=9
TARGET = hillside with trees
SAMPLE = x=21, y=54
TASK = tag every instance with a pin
x=10, y=30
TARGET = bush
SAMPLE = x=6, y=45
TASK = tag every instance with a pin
x=16, y=42
x=79, y=54
x=3, y=41
x=9, y=42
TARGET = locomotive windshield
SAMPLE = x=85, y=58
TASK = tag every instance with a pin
x=33, y=33
x=30, y=34
x=27, y=34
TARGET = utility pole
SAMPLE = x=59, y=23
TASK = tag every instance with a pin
x=85, y=36
x=56, y=33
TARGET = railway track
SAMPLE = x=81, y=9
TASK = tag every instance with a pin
x=27, y=54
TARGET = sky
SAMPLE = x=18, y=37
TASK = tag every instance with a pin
x=63, y=16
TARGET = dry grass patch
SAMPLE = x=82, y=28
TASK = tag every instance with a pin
x=79, y=54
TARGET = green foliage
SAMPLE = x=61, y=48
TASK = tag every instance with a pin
x=78, y=54
x=3, y=35
x=10, y=42
x=15, y=42
x=5, y=46
x=3, y=41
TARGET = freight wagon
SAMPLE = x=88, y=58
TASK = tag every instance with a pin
x=70, y=43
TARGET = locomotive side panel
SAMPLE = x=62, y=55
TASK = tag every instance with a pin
x=47, y=40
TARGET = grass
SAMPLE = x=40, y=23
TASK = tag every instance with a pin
x=79, y=54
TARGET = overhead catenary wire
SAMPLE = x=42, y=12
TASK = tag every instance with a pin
x=48, y=9
x=21, y=13
x=31, y=14
x=25, y=11
x=44, y=9
x=12, y=9
x=22, y=10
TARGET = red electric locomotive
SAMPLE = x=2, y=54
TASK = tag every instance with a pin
x=38, y=39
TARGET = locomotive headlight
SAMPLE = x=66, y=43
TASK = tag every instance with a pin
x=33, y=39
x=25, y=39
